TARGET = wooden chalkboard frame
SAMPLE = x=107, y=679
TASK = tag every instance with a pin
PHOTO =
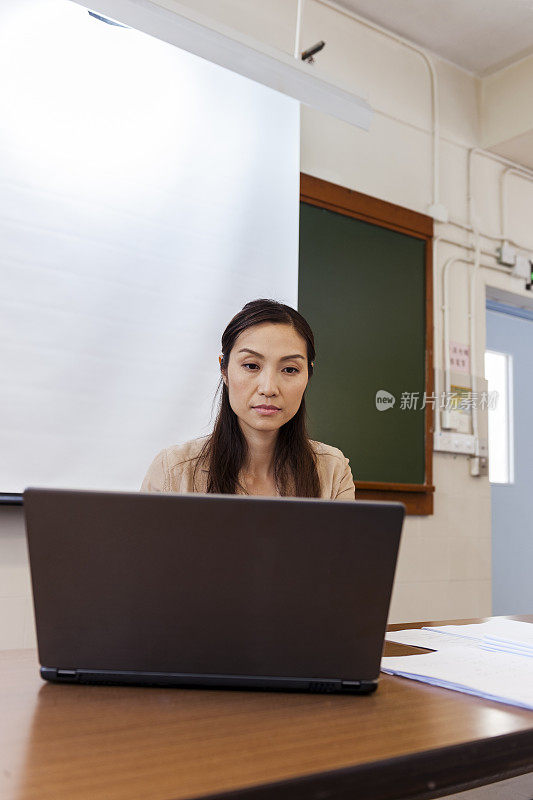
x=418, y=498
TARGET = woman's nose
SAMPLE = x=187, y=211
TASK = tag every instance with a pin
x=268, y=383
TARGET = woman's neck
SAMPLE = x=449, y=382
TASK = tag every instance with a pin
x=259, y=464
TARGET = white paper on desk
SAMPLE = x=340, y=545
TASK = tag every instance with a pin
x=431, y=640
x=503, y=677
x=499, y=647
x=517, y=634
x=507, y=629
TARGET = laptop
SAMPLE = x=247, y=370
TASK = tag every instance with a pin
x=211, y=590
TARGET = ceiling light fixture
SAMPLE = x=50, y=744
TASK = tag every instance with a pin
x=185, y=28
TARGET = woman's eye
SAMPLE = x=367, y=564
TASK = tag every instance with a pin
x=296, y=370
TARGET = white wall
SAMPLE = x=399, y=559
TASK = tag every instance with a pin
x=507, y=108
x=444, y=569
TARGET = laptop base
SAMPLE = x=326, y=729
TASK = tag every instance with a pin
x=184, y=680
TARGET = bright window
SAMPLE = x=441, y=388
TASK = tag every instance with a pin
x=499, y=374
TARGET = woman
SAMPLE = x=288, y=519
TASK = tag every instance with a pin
x=259, y=444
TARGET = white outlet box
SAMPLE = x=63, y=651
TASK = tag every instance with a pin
x=522, y=268
x=507, y=255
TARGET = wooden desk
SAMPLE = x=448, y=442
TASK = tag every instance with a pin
x=408, y=740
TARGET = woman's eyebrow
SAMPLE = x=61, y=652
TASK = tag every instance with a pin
x=258, y=355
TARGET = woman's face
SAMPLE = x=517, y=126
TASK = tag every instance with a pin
x=274, y=374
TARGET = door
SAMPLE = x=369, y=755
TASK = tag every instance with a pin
x=509, y=370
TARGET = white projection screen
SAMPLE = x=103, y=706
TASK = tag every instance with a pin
x=145, y=195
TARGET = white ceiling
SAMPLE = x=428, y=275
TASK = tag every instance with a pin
x=480, y=35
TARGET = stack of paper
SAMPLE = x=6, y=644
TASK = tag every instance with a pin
x=503, y=677
x=509, y=629
x=516, y=638
x=489, y=659
x=431, y=640
x=497, y=645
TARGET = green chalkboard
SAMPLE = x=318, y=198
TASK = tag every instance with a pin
x=362, y=289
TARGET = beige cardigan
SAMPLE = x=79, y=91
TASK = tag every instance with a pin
x=172, y=470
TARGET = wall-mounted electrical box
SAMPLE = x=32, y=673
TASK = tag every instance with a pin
x=523, y=268
x=456, y=410
x=506, y=255
x=451, y=442
x=460, y=443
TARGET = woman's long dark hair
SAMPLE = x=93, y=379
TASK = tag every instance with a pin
x=226, y=449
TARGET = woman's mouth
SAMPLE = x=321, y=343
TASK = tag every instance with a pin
x=266, y=410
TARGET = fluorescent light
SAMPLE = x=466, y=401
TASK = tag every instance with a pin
x=224, y=46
